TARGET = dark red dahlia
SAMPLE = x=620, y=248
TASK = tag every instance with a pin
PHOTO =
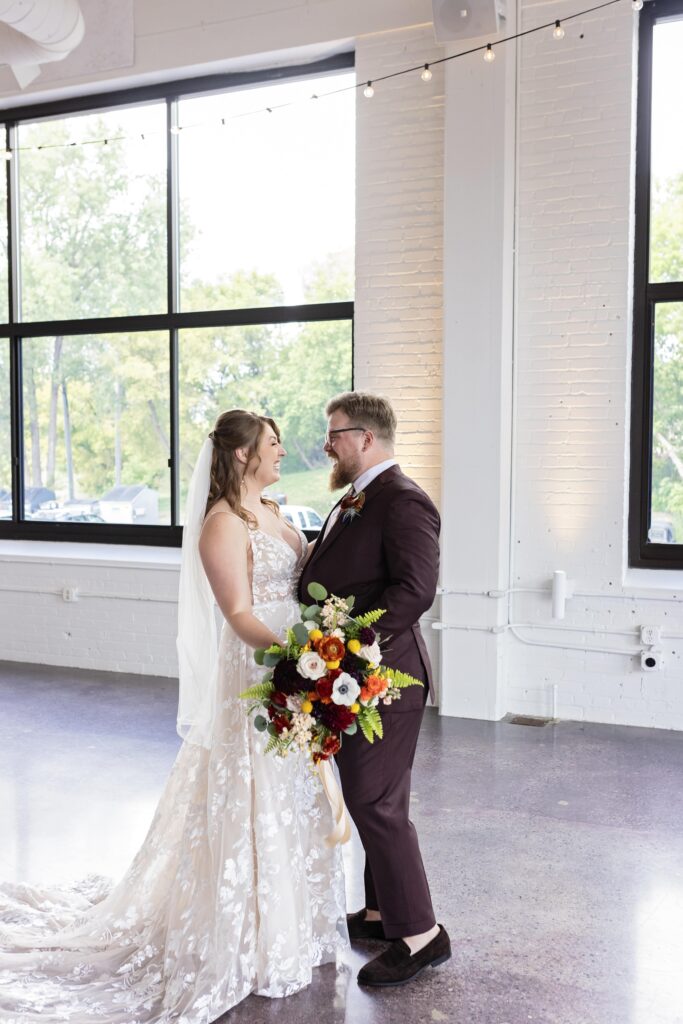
x=286, y=678
x=324, y=687
x=355, y=667
x=336, y=716
x=367, y=636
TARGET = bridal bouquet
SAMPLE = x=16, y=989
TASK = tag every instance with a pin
x=325, y=681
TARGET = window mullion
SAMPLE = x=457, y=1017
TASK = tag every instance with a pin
x=14, y=268
x=16, y=428
x=172, y=206
x=173, y=274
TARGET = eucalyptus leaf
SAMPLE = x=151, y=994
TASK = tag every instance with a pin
x=352, y=729
x=317, y=591
x=271, y=730
x=270, y=660
x=301, y=633
x=260, y=723
x=350, y=601
x=312, y=611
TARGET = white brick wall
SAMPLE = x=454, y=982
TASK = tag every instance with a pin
x=123, y=621
x=399, y=243
x=576, y=145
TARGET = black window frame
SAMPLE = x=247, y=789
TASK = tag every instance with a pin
x=642, y=552
x=172, y=321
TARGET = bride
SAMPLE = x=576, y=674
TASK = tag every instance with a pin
x=234, y=889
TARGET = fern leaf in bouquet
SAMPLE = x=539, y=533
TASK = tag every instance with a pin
x=374, y=720
x=401, y=679
x=259, y=692
x=370, y=618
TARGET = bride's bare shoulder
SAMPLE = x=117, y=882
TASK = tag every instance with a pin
x=222, y=524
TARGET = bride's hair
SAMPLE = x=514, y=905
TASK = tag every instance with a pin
x=235, y=429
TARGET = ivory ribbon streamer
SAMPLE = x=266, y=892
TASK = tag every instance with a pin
x=341, y=833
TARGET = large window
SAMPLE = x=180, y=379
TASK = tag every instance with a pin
x=186, y=250
x=656, y=507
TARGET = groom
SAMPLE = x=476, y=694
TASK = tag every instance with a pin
x=381, y=544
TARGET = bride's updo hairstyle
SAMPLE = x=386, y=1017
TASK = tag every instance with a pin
x=235, y=429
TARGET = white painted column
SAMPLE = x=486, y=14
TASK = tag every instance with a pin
x=479, y=195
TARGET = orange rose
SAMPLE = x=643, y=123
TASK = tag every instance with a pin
x=375, y=685
x=330, y=648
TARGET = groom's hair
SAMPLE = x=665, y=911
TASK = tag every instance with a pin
x=366, y=410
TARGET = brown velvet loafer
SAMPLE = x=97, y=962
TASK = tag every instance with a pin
x=396, y=966
x=360, y=929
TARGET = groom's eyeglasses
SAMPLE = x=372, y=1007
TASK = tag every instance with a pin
x=331, y=435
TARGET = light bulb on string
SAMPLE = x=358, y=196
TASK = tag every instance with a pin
x=489, y=55
x=368, y=91
x=558, y=31
x=637, y=5
x=426, y=75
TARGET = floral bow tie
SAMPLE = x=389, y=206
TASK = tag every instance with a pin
x=351, y=505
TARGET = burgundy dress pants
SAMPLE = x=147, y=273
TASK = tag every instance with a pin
x=375, y=780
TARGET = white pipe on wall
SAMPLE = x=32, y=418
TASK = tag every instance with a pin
x=34, y=32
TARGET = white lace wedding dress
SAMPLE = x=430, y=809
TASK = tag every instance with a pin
x=232, y=892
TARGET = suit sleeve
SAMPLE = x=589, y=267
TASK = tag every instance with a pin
x=411, y=549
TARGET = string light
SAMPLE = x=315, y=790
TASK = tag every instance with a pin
x=426, y=75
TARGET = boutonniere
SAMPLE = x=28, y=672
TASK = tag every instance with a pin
x=351, y=506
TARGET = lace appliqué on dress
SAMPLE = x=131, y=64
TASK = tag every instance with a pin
x=232, y=892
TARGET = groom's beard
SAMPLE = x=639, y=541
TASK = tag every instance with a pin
x=343, y=473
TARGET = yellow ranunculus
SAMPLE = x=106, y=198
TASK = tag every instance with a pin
x=315, y=634
x=306, y=707
x=355, y=708
x=332, y=664
x=354, y=646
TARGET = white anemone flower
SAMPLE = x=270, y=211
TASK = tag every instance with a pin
x=345, y=690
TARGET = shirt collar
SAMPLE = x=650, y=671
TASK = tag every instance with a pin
x=366, y=478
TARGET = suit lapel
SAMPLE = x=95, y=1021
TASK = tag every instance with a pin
x=371, y=491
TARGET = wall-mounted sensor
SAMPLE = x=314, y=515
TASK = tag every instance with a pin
x=651, y=661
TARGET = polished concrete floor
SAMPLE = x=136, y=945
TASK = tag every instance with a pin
x=555, y=854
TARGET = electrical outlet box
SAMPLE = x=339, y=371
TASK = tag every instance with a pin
x=650, y=635
x=69, y=594
x=651, y=661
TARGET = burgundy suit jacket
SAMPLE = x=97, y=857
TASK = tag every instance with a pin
x=387, y=557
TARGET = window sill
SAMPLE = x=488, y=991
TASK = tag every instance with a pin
x=664, y=582
x=121, y=556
